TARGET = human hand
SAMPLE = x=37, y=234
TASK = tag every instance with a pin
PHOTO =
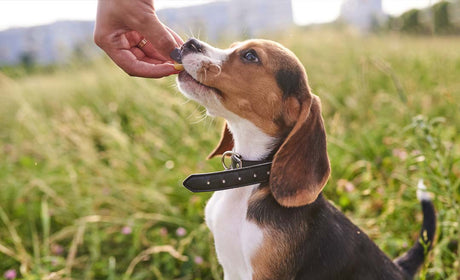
x=121, y=26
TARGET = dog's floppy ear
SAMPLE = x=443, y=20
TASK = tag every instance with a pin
x=301, y=166
x=225, y=143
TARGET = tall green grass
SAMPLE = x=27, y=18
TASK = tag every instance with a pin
x=92, y=160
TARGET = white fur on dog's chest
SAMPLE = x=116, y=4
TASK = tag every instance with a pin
x=236, y=239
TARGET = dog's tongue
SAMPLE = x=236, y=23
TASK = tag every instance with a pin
x=176, y=55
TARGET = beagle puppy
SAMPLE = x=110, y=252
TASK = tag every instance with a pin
x=282, y=228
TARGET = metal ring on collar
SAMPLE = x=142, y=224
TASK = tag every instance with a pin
x=234, y=156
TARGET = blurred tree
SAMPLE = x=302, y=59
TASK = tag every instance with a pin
x=442, y=22
x=442, y=18
x=410, y=22
x=28, y=61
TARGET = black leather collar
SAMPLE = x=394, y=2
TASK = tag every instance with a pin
x=241, y=173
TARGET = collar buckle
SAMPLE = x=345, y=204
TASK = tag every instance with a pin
x=236, y=160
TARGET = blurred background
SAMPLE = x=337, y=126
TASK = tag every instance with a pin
x=92, y=160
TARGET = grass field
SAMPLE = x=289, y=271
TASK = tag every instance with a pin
x=92, y=160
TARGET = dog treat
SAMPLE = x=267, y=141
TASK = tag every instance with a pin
x=178, y=67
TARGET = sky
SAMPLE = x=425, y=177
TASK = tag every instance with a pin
x=18, y=13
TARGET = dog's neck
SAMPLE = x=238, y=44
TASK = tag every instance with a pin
x=250, y=141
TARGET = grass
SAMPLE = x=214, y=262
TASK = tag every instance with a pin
x=92, y=160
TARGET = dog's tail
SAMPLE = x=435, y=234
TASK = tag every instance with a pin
x=414, y=258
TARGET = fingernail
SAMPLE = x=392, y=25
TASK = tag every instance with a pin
x=178, y=67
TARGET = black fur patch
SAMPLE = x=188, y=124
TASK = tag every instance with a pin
x=324, y=244
x=291, y=81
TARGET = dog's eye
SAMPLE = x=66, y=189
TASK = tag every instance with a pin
x=251, y=56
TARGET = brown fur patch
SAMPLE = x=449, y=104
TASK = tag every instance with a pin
x=270, y=261
x=270, y=255
x=284, y=231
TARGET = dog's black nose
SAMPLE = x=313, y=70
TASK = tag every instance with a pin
x=176, y=55
x=193, y=45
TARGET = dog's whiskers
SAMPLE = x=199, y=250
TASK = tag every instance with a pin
x=203, y=117
x=193, y=114
x=197, y=36
x=186, y=101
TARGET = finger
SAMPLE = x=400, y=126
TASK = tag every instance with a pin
x=149, y=50
x=134, y=38
x=127, y=61
x=149, y=70
x=141, y=55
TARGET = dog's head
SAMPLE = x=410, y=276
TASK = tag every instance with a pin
x=264, y=83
